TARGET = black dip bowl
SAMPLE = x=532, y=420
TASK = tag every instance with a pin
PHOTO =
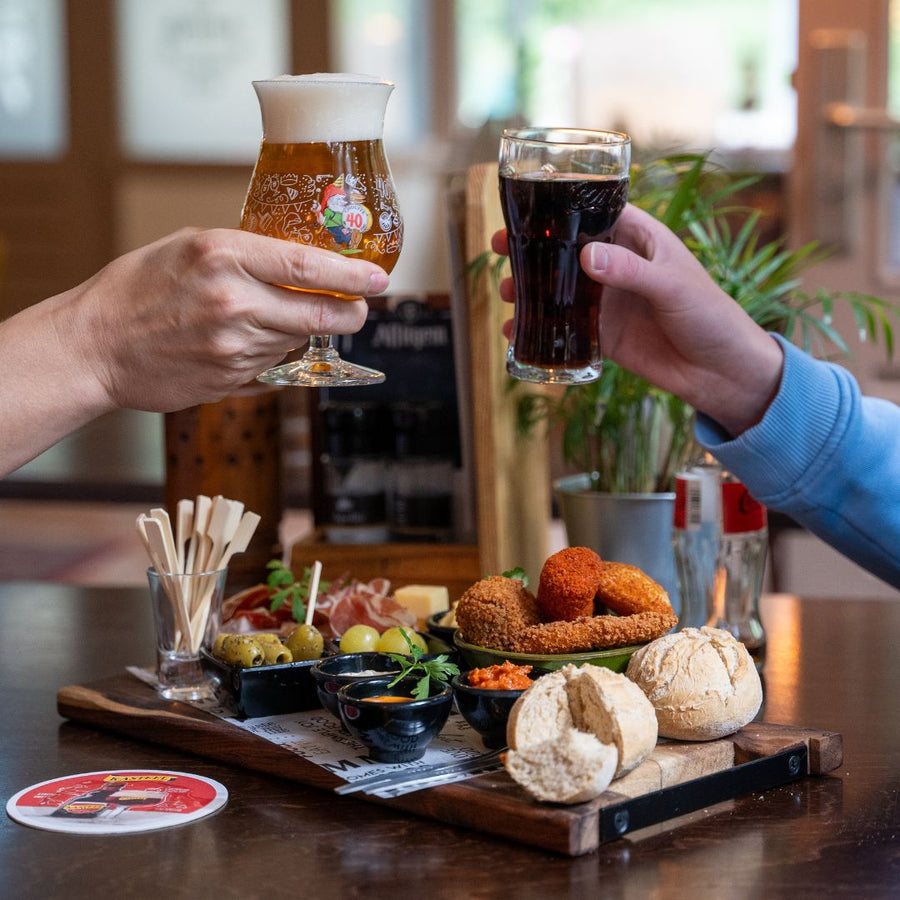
x=485, y=709
x=335, y=672
x=394, y=731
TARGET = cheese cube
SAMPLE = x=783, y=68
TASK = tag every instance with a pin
x=423, y=600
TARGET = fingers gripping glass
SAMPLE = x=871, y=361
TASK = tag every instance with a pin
x=322, y=179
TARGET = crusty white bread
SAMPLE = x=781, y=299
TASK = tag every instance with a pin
x=702, y=683
x=541, y=713
x=614, y=710
x=571, y=768
x=591, y=700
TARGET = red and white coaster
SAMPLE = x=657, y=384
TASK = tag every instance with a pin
x=120, y=801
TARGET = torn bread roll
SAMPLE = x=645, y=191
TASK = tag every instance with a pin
x=702, y=683
x=606, y=704
x=605, y=707
x=572, y=768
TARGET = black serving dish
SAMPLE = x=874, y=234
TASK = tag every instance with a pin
x=265, y=690
x=485, y=709
x=394, y=732
x=334, y=672
x=442, y=632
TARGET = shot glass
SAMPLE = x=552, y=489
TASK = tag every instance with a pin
x=187, y=610
x=559, y=189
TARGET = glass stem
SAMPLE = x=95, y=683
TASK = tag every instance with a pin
x=320, y=342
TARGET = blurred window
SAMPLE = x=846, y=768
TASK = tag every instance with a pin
x=33, y=96
x=185, y=71
x=697, y=73
x=894, y=58
x=891, y=191
x=388, y=38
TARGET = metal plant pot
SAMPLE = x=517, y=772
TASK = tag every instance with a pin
x=628, y=528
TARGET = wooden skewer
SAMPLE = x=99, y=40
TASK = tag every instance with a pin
x=197, y=551
x=313, y=591
x=161, y=544
x=165, y=524
x=241, y=538
x=184, y=524
x=142, y=533
x=217, y=531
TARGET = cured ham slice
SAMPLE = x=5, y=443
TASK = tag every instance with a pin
x=346, y=602
x=363, y=603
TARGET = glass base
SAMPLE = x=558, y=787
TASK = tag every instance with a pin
x=182, y=678
x=321, y=367
x=194, y=692
x=551, y=374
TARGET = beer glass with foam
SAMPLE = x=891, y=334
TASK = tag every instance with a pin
x=559, y=189
x=322, y=179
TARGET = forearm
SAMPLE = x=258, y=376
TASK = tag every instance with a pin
x=738, y=390
x=826, y=456
x=47, y=387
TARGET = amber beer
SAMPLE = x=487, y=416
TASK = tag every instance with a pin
x=322, y=177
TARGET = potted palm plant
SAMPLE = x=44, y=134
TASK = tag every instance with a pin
x=625, y=437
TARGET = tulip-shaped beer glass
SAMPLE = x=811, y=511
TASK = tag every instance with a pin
x=322, y=179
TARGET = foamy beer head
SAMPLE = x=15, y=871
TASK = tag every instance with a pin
x=303, y=109
x=322, y=177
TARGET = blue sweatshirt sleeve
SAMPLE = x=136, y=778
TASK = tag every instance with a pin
x=825, y=455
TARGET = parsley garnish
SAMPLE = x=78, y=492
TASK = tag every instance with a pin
x=285, y=587
x=519, y=573
x=438, y=668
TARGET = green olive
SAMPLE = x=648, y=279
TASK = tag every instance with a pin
x=275, y=651
x=305, y=642
x=242, y=650
x=217, y=644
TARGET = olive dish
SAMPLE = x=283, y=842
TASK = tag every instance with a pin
x=264, y=690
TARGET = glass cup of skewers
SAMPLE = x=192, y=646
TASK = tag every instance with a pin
x=187, y=610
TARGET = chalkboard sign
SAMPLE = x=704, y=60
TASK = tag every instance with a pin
x=412, y=416
x=410, y=339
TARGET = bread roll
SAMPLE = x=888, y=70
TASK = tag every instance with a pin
x=572, y=768
x=589, y=700
x=702, y=683
x=541, y=713
x=615, y=711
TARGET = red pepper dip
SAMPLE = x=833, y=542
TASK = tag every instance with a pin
x=506, y=677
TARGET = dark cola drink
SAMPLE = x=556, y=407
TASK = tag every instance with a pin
x=549, y=218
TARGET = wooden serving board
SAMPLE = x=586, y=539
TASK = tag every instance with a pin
x=678, y=778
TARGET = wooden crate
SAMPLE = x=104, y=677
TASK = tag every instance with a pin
x=454, y=565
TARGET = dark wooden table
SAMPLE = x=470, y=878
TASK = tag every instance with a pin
x=832, y=665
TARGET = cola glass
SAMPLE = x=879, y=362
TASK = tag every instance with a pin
x=560, y=188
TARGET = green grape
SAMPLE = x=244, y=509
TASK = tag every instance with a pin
x=392, y=641
x=305, y=642
x=359, y=639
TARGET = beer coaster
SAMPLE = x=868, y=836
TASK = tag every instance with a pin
x=119, y=801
